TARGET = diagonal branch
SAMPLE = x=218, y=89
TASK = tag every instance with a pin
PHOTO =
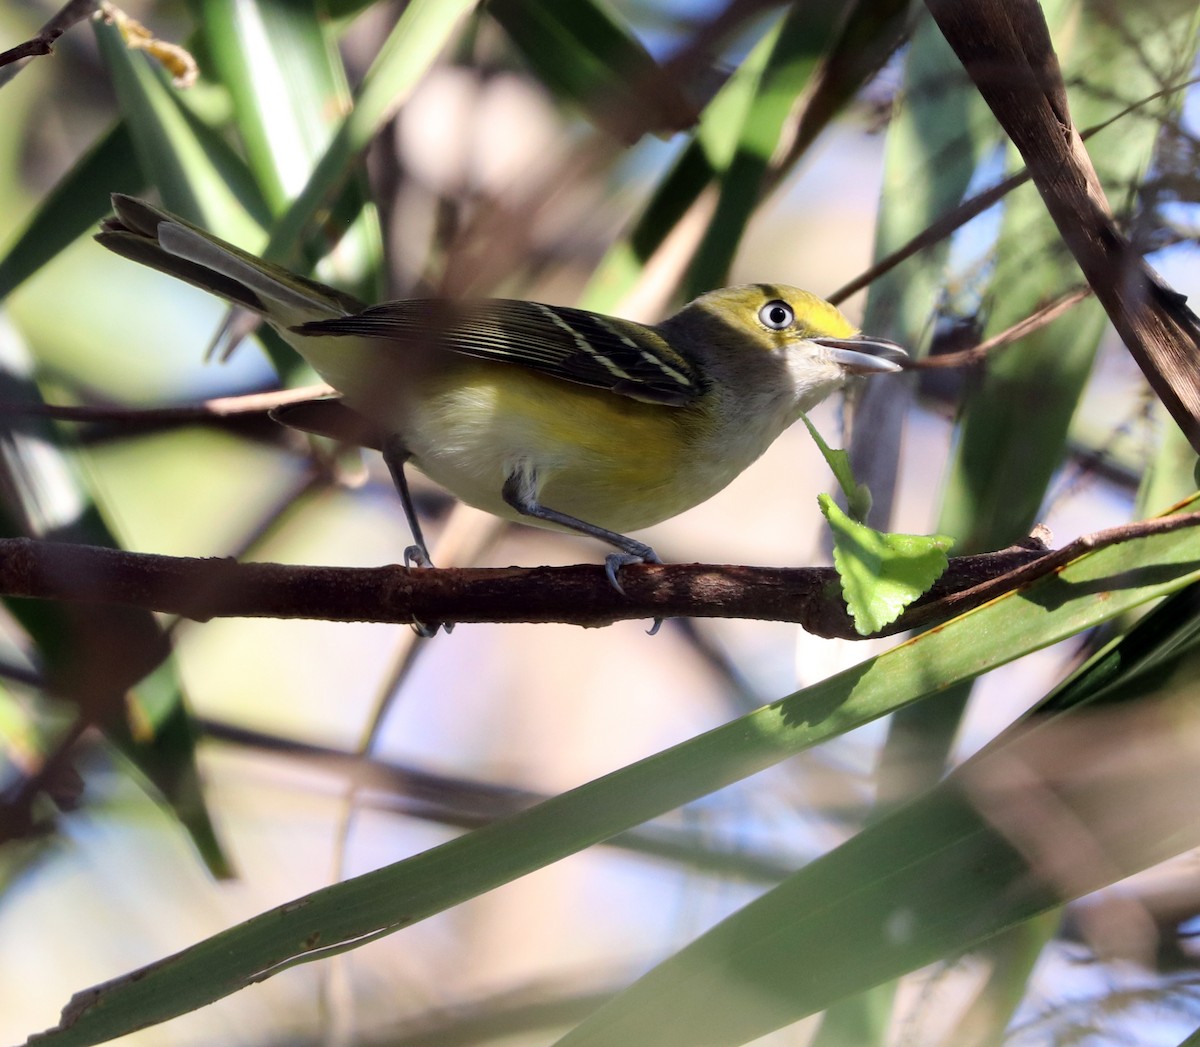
x=1005, y=47
x=43, y=44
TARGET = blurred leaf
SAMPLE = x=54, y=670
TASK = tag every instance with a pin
x=976, y=857
x=1016, y=420
x=113, y=662
x=881, y=573
x=583, y=51
x=939, y=133
x=1137, y=664
x=164, y=751
x=795, y=50
x=1171, y=474
x=863, y=36
x=74, y=206
x=1092, y=589
x=1016, y=416
x=980, y=853
x=709, y=151
x=739, y=133
x=289, y=92
x=194, y=171
x=414, y=44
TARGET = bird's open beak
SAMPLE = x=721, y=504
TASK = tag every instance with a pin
x=863, y=355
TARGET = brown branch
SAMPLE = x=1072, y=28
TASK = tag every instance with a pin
x=1006, y=49
x=201, y=589
x=963, y=600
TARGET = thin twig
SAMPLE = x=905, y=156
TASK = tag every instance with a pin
x=218, y=407
x=43, y=44
x=959, y=216
x=1035, y=321
x=1058, y=558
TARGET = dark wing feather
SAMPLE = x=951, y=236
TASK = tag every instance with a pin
x=573, y=344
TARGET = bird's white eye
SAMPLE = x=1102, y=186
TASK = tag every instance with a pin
x=777, y=315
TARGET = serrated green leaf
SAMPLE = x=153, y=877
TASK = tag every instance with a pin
x=881, y=573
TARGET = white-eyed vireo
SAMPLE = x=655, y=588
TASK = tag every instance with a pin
x=553, y=416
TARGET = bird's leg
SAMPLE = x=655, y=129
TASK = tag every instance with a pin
x=520, y=491
x=395, y=454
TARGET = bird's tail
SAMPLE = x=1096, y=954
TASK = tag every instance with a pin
x=168, y=243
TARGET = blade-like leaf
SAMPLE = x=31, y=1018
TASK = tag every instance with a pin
x=858, y=498
x=797, y=50
x=289, y=90
x=982, y=853
x=584, y=52
x=192, y=169
x=74, y=206
x=705, y=157
x=414, y=44
x=112, y=662
x=1090, y=590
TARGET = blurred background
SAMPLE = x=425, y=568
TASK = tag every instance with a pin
x=622, y=156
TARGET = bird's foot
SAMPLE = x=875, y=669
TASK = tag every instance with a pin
x=417, y=556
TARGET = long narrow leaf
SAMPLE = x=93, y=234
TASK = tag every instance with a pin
x=1056, y=807
x=1091, y=590
x=74, y=206
x=585, y=52
x=415, y=42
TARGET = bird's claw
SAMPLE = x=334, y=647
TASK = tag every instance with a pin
x=417, y=556
x=615, y=561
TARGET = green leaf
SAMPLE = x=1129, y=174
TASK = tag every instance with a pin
x=197, y=174
x=858, y=498
x=289, y=89
x=709, y=153
x=881, y=573
x=791, y=59
x=414, y=44
x=1093, y=589
x=1017, y=416
x=938, y=878
x=74, y=206
x=585, y=52
x=1101, y=760
x=45, y=496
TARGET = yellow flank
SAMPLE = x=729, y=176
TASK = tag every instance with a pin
x=605, y=458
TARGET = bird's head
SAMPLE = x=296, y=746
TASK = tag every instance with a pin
x=778, y=341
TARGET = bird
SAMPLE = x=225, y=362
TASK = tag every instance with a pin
x=550, y=415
